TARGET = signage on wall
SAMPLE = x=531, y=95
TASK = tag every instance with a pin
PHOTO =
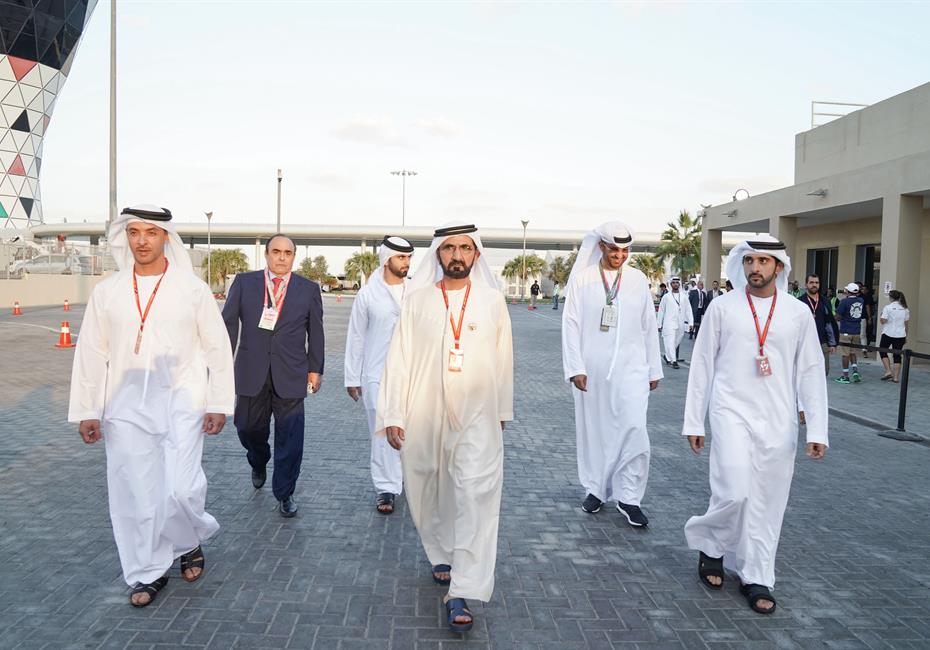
x=888, y=286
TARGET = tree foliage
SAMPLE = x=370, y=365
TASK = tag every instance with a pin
x=361, y=265
x=681, y=242
x=224, y=262
x=559, y=270
x=513, y=269
x=316, y=269
x=651, y=266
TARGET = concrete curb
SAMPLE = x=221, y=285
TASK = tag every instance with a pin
x=879, y=426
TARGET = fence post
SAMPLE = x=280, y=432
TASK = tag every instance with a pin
x=902, y=400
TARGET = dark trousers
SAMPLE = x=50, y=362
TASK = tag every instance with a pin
x=253, y=423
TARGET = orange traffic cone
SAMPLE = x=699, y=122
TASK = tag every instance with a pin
x=16, y=310
x=64, y=339
x=513, y=302
x=67, y=306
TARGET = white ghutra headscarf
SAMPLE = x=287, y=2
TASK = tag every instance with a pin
x=155, y=216
x=430, y=271
x=761, y=245
x=390, y=246
x=615, y=233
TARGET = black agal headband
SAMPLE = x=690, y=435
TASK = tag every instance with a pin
x=156, y=214
x=451, y=231
x=398, y=244
x=766, y=245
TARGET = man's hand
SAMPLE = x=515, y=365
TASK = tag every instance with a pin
x=213, y=423
x=314, y=380
x=580, y=382
x=801, y=417
x=816, y=450
x=653, y=384
x=691, y=328
x=90, y=431
x=395, y=437
x=831, y=350
x=354, y=392
x=697, y=443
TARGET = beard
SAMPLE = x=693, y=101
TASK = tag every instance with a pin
x=398, y=272
x=456, y=270
x=759, y=280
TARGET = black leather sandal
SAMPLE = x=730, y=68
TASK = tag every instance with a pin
x=755, y=593
x=192, y=560
x=151, y=589
x=710, y=567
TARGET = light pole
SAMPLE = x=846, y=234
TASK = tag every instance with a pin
x=523, y=278
x=112, y=213
x=403, y=173
x=209, y=253
x=280, y=177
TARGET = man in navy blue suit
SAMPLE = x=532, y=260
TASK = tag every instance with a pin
x=279, y=361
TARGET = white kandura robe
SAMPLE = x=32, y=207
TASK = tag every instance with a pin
x=610, y=418
x=674, y=318
x=453, y=455
x=374, y=314
x=754, y=420
x=151, y=408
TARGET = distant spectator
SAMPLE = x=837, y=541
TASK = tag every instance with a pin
x=894, y=318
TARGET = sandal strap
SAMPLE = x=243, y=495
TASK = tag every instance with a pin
x=192, y=560
x=458, y=607
x=754, y=593
x=710, y=566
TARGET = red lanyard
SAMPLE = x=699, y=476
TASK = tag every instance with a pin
x=145, y=314
x=456, y=330
x=279, y=298
x=762, y=335
x=813, y=307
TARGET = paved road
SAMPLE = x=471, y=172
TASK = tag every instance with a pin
x=853, y=567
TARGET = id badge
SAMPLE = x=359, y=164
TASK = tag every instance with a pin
x=269, y=318
x=762, y=363
x=608, y=317
x=456, y=357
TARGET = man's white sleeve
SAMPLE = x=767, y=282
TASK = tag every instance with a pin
x=651, y=338
x=214, y=341
x=91, y=357
x=701, y=374
x=812, y=382
x=572, y=326
x=355, y=340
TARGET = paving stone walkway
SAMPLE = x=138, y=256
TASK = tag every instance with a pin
x=853, y=568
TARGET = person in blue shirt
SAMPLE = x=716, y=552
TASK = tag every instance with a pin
x=849, y=314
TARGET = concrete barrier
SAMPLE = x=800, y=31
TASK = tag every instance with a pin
x=39, y=290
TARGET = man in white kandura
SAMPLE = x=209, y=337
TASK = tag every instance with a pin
x=610, y=354
x=152, y=374
x=757, y=363
x=371, y=325
x=446, y=391
x=675, y=318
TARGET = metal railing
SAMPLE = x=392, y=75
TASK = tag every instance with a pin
x=19, y=259
x=907, y=355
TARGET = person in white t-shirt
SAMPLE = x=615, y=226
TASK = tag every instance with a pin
x=894, y=320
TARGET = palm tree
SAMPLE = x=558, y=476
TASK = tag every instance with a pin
x=361, y=265
x=514, y=268
x=651, y=266
x=558, y=271
x=225, y=262
x=681, y=241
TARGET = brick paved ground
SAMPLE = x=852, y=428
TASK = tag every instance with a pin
x=852, y=572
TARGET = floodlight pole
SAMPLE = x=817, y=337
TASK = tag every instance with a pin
x=403, y=173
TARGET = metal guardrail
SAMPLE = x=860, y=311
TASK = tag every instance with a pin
x=21, y=258
x=906, y=354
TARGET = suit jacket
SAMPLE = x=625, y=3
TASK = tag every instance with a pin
x=710, y=296
x=290, y=351
x=693, y=299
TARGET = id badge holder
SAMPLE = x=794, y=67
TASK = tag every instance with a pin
x=608, y=317
x=456, y=358
x=269, y=318
x=762, y=363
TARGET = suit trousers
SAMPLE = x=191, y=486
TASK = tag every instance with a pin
x=253, y=424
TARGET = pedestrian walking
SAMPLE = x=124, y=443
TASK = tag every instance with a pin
x=758, y=360
x=534, y=294
x=827, y=329
x=674, y=320
x=610, y=355
x=849, y=314
x=446, y=392
x=697, y=298
x=894, y=319
x=556, y=291
x=374, y=314
x=276, y=317
x=152, y=375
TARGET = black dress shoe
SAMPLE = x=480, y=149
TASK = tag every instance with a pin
x=258, y=477
x=675, y=365
x=287, y=508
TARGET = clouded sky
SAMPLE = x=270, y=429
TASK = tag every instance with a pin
x=566, y=114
